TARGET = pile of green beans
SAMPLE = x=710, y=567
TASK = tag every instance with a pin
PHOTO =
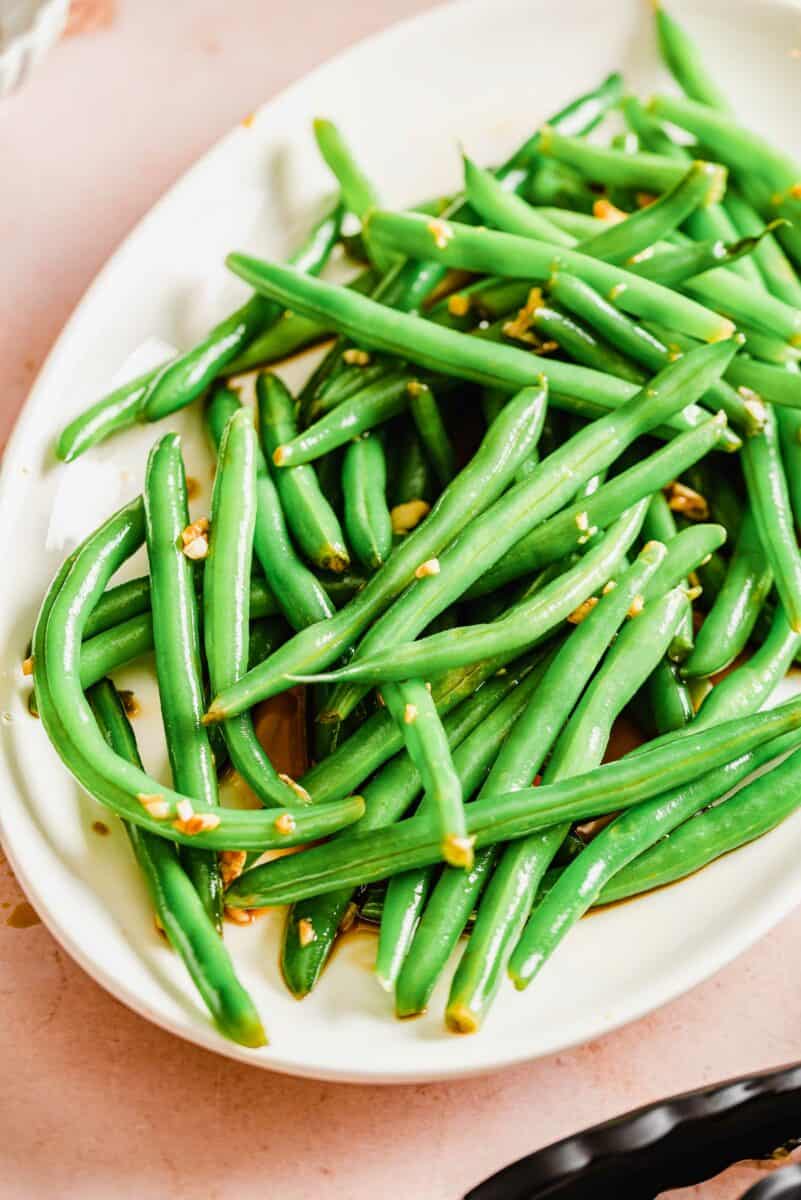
x=503, y=510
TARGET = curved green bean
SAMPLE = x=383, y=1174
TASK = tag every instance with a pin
x=488, y=474
x=562, y=534
x=177, y=644
x=364, y=486
x=770, y=502
x=313, y=522
x=454, y=353
x=729, y=623
x=518, y=762
x=684, y=61
x=431, y=429
x=300, y=595
x=414, y=842
x=179, y=909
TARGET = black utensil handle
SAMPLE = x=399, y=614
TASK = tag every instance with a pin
x=677, y=1142
x=784, y=1185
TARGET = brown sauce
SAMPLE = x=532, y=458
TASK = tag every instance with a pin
x=281, y=728
x=23, y=916
x=100, y=828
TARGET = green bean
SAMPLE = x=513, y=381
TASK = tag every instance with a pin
x=456, y=353
x=773, y=264
x=684, y=61
x=668, y=699
x=743, y=303
x=779, y=385
x=651, y=134
x=177, y=646
x=69, y=723
x=175, y=902
x=358, y=192
x=431, y=429
x=412, y=477
x=311, y=519
x=580, y=746
x=552, y=483
x=488, y=474
x=414, y=709
x=635, y=341
x=225, y=599
x=176, y=383
x=582, y=883
x=503, y=208
x=507, y=254
x=114, y=411
x=555, y=185
x=292, y=333
x=757, y=808
x=361, y=413
x=563, y=533
x=574, y=339
x=767, y=348
x=301, y=596
x=672, y=267
x=407, y=892
x=521, y=757
x=660, y=525
x=715, y=224
x=729, y=623
x=414, y=841
x=387, y=797
x=747, y=688
x=770, y=501
x=789, y=423
x=702, y=184
x=615, y=168
x=367, y=519
x=506, y=637
x=729, y=142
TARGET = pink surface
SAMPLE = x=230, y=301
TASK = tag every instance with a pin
x=95, y=1101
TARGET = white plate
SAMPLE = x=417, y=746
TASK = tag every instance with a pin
x=484, y=72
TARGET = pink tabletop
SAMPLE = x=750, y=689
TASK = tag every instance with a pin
x=96, y=1102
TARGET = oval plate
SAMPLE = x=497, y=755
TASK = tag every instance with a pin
x=485, y=72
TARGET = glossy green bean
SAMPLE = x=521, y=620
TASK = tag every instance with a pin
x=668, y=699
x=731, y=619
x=69, y=723
x=753, y=811
x=407, y=891
x=226, y=613
x=772, y=263
x=660, y=524
x=497, y=205
x=745, y=689
x=531, y=620
x=178, y=663
x=176, y=903
x=789, y=423
x=358, y=192
x=364, y=486
x=651, y=134
x=580, y=746
x=779, y=385
x=488, y=474
x=536, y=497
x=507, y=254
x=521, y=757
x=582, y=882
x=615, y=168
x=703, y=184
x=311, y=519
x=412, y=477
x=387, y=796
x=671, y=267
x=612, y=787
x=575, y=340
x=177, y=382
x=770, y=501
x=728, y=141
x=430, y=426
x=380, y=401
x=684, y=61
x=459, y=354
x=562, y=534
x=301, y=596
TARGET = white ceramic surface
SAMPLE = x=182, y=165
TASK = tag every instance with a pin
x=484, y=72
x=28, y=29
